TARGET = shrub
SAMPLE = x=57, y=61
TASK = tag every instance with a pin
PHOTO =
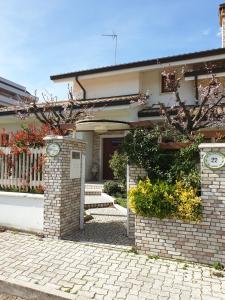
x=112, y=188
x=185, y=165
x=164, y=200
x=152, y=200
x=189, y=204
x=121, y=201
x=142, y=148
x=118, y=164
x=191, y=180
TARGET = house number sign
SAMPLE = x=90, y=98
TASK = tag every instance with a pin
x=53, y=149
x=214, y=160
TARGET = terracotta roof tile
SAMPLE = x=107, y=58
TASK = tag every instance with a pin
x=96, y=102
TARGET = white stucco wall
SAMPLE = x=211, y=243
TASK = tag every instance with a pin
x=120, y=113
x=22, y=211
x=13, y=123
x=133, y=83
x=109, y=86
x=151, y=81
x=88, y=138
x=10, y=127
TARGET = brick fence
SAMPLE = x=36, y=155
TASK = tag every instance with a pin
x=133, y=174
x=62, y=195
x=200, y=242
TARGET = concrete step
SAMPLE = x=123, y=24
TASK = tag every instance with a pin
x=94, y=189
x=93, y=193
x=96, y=201
x=94, y=186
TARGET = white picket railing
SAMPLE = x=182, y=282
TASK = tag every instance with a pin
x=22, y=171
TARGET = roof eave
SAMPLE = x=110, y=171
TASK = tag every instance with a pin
x=140, y=64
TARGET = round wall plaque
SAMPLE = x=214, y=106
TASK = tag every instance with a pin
x=214, y=160
x=53, y=149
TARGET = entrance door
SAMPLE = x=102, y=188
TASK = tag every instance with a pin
x=110, y=145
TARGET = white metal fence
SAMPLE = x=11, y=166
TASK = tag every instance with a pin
x=22, y=171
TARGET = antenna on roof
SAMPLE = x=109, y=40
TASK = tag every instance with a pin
x=114, y=36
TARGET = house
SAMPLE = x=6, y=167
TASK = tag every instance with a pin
x=11, y=92
x=117, y=93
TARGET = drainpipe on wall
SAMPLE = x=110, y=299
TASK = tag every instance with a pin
x=81, y=86
x=196, y=88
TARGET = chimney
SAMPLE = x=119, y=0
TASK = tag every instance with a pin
x=222, y=22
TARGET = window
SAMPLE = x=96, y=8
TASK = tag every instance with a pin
x=116, y=141
x=167, y=83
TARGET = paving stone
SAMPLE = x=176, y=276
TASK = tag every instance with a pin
x=108, y=226
x=7, y=297
x=98, y=272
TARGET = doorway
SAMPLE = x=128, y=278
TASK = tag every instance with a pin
x=109, y=146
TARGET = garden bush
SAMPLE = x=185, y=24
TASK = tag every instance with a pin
x=112, y=188
x=164, y=200
x=152, y=200
x=141, y=147
x=189, y=205
x=118, y=164
x=122, y=202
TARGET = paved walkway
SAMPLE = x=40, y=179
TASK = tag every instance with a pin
x=108, y=226
x=6, y=297
x=96, y=272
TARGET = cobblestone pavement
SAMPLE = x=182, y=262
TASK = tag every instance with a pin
x=95, y=272
x=108, y=226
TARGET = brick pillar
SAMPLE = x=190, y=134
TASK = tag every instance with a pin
x=213, y=195
x=133, y=174
x=62, y=194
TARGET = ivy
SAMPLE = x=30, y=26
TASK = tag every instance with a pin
x=142, y=149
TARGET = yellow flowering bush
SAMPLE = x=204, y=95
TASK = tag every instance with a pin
x=152, y=200
x=189, y=204
x=164, y=200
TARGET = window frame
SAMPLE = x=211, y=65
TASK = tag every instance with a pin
x=165, y=89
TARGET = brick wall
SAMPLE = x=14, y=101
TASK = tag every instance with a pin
x=203, y=242
x=133, y=174
x=62, y=194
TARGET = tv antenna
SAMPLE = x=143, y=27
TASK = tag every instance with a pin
x=114, y=36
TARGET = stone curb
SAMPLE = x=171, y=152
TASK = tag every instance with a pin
x=32, y=291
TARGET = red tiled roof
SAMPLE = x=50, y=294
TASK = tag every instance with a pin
x=96, y=102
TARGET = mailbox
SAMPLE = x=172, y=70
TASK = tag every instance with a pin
x=75, y=164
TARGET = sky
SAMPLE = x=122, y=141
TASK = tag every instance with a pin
x=39, y=38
